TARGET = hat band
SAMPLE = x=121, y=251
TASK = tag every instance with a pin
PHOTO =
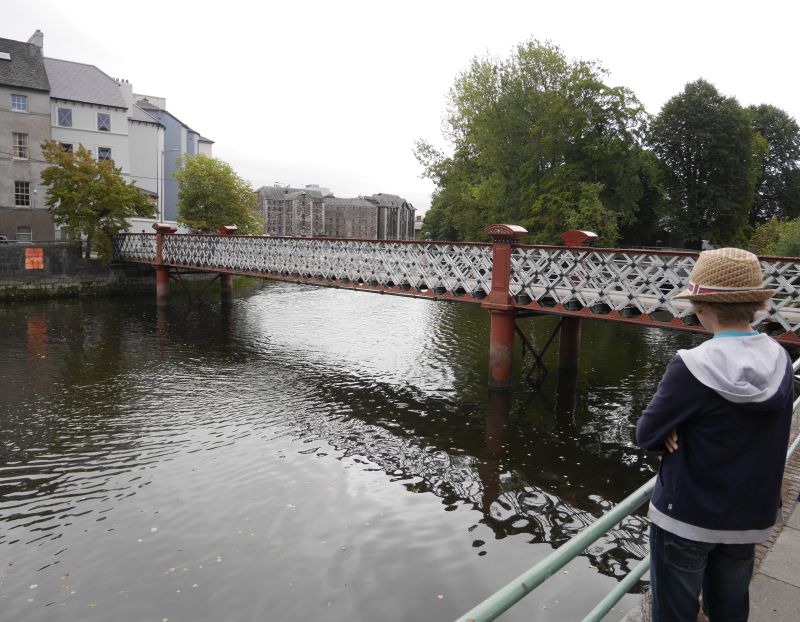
x=696, y=288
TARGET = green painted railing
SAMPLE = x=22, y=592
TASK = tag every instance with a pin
x=509, y=595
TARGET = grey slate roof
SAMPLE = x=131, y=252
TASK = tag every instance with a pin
x=337, y=202
x=137, y=114
x=26, y=67
x=390, y=200
x=282, y=193
x=82, y=83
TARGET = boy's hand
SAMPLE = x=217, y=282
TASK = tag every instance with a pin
x=672, y=441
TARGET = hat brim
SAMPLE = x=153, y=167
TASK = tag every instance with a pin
x=750, y=295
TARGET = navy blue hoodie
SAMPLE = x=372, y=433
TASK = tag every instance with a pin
x=730, y=400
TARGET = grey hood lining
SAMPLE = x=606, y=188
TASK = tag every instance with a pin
x=748, y=369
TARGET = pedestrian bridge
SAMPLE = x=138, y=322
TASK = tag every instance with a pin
x=508, y=279
x=624, y=285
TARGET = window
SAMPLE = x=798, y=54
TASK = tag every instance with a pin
x=67, y=147
x=103, y=122
x=22, y=193
x=19, y=102
x=103, y=154
x=65, y=117
x=20, y=149
x=24, y=234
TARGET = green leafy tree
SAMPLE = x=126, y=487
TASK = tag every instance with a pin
x=533, y=136
x=778, y=183
x=711, y=156
x=777, y=237
x=212, y=195
x=90, y=197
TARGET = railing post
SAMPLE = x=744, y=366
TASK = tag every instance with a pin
x=162, y=271
x=500, y=305
x=225, y=279
x=569, y=336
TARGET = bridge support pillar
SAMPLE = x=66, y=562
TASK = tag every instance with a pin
x=162, y=271
x=162, y=285
x=501, y=348
x=569, y=343
x=500, y=305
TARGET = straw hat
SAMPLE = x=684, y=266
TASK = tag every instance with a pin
x=726, y=275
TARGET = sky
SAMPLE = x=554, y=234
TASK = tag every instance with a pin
x=336, y=93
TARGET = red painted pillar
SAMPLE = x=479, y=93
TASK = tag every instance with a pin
x=162, y=286
x=225, y=279
x=500, y=305
x=162, y=271
x=569, y=337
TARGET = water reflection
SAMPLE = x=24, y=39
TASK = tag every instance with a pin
x=118, y=407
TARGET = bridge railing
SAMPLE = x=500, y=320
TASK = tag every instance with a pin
x=624, y=281
x=628, y=280
x=442, y=266
x=514, y=591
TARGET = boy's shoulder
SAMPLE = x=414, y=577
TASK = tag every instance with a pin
x=740, y=369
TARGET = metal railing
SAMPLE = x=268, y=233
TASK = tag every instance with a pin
x=514, y=591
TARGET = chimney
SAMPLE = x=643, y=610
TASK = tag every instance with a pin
x=37, y=38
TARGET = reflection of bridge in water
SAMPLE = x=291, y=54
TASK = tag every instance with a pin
x=506, y=278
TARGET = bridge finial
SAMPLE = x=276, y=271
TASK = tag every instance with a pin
x=505, y=233
x=576, y=237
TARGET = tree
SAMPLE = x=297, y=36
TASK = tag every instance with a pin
x=212, y=195
x=778, y=183
x=89, y=196
x=777, y=237
x=710, y=154
x=541, y=141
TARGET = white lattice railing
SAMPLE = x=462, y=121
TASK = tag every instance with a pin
x=624, y=280
x=139, y=247
x=573, y=278
x=439, y=266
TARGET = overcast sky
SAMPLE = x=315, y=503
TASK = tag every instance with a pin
x=335, y=93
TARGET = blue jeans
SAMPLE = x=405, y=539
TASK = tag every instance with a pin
x=679, y=568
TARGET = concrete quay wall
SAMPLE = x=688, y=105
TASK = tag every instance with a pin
x=36, y=271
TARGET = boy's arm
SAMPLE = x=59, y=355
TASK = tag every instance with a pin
x=677, y=398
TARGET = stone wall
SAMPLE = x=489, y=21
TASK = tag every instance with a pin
x=31, y=271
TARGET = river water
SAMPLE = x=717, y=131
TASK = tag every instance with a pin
x=306, y=454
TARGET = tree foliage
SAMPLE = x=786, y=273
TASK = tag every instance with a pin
x=541, y=141
x=776, y=237
x=212, y=195
x=711, y=156
x=777, y=192
x=90, y=197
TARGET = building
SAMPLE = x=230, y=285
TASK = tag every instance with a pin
x=315, y=212
x=24, y=125
x=78, y=104
x=292, y=212
x=395, y=217
x=179, y=140
x=351, y=218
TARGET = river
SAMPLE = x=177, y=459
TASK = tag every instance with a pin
x=306, y=454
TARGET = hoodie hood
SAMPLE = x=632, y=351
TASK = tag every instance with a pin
x=747, y=369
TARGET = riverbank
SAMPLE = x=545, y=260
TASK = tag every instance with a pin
x=40, y=271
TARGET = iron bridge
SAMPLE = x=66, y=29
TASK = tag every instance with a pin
x=624, y=285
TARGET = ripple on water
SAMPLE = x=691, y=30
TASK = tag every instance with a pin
x=223, y=463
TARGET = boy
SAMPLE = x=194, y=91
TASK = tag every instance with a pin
x=723, y=412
